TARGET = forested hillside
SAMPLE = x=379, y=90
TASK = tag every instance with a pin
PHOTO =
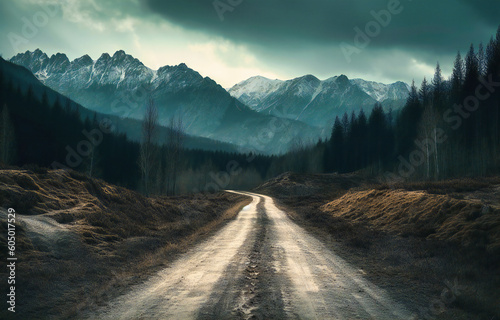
x=448, y=128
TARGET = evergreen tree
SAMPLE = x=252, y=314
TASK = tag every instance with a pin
x=408, y=121
x=337, y=146
x=457, y=79
x=377, y=138
x=424, y=92
x=345, y=123
x=471, y=126
x=438, y=88
x=437, y=107
x=362, y=139
x=481, y=60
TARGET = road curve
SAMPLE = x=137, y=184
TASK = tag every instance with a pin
x=260, y=265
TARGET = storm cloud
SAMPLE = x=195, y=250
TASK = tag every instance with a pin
x=425, y=24
x=231, y=40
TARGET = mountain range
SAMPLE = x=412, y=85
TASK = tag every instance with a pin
x=317, y=102
x=258, y=114
x=21, y=79
x=120, y=85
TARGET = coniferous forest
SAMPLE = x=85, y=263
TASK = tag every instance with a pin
x=448, y=128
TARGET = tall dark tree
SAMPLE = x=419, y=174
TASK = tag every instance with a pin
x=457, y=79
x=471, y=81
x=337, y=146
x=378, y=136
x=345, y=123
x=437, y=108
x=173, y=154
x=424, y=92
x=362, y=138
x=408, y=121
x=481, y=60
x=438, y=89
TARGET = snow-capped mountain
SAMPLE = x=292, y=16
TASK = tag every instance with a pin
x=22, y=78
x=317, y=102
x=397, y=91
x=120, y=85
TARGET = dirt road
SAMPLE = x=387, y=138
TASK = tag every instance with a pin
x=261, y=266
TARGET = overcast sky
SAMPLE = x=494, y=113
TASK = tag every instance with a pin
x=232, y=40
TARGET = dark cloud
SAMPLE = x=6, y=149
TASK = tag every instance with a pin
x=287, y=38
x=440, y=26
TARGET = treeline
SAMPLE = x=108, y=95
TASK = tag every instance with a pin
x=448, y=128
x=168, y=168
x=34, y=131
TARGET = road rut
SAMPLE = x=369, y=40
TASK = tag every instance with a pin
x=259, y=266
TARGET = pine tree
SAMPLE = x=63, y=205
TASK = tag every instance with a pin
x=437, y=107
x=457, y=79
x=337, y=146
x=345, y=123
x=377, y=133
x=362, y=138
x=438, y=89
x=481, y=60
x=407, y=123
x=424, y=92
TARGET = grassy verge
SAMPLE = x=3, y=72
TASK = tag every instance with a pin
x=107, y=237
x=417, y=240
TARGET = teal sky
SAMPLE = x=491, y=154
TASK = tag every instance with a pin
x=231, y=40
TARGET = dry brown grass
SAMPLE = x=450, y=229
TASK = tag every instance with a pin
x=122, y=237
x=420, y=214
x=410, y=237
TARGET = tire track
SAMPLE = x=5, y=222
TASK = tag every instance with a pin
x=259, y=266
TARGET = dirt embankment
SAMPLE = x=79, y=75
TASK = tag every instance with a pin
x=412, y=236
x=79, y=240
x=420, y=214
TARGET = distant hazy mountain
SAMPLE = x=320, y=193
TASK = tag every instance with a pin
x=119, y=85
x=317, y=102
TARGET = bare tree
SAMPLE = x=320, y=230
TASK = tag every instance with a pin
x=175, y=141
x=7, y=137
x=426, y=129
x=437, y=106
x=148, y=153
